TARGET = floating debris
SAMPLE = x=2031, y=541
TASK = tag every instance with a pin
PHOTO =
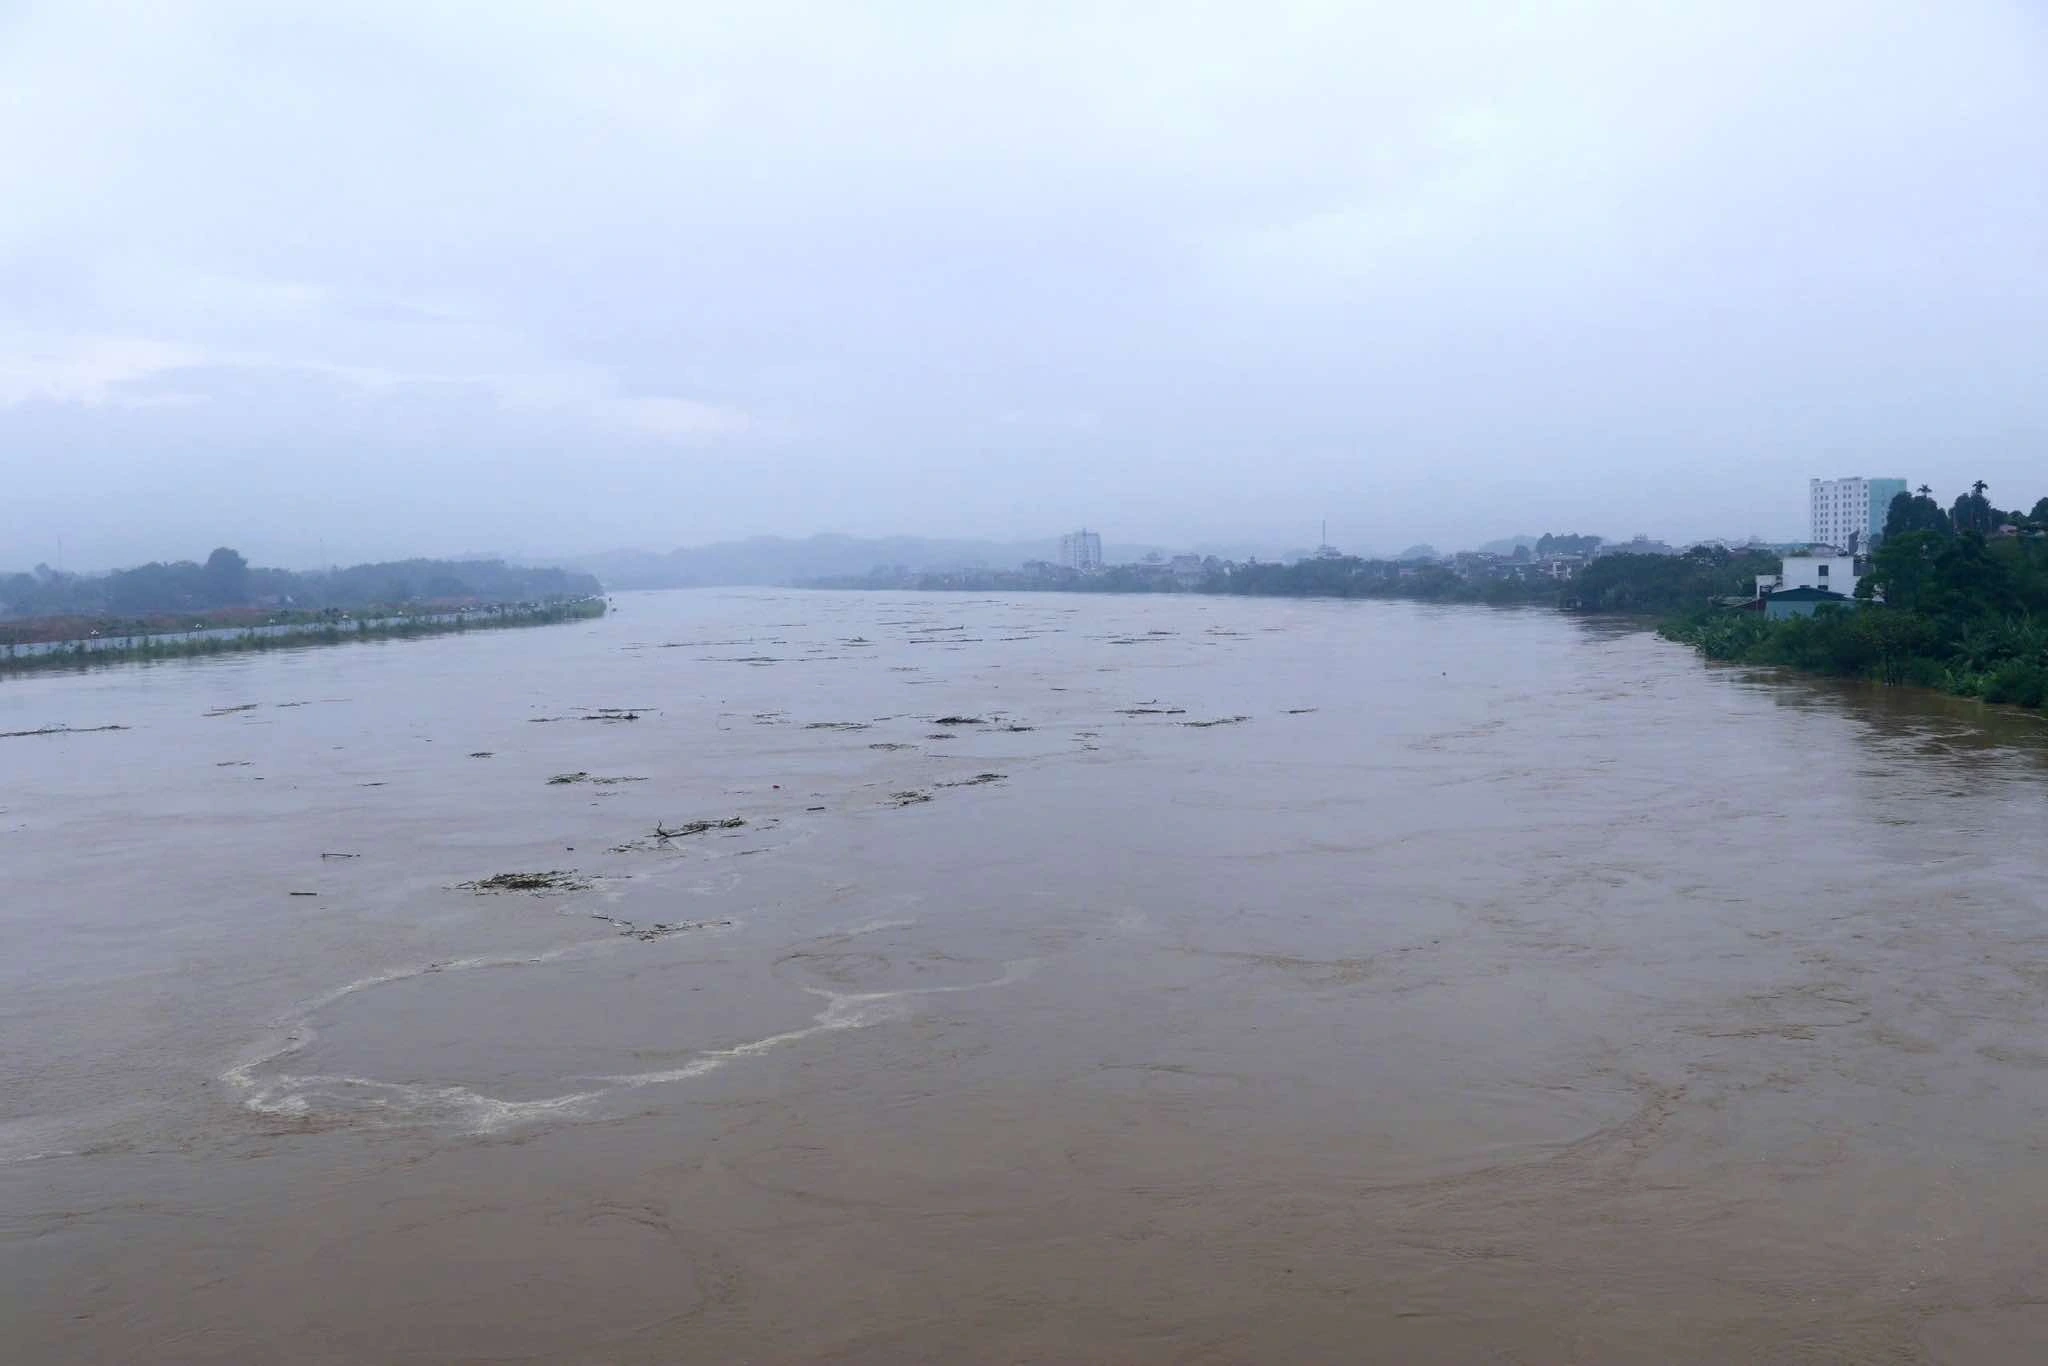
x=1219, y=721
x=482, y=754
x=324, y=855
x=233, y=763
x=837, y=725
x=57, y=730
x=1019, y=730
x=660, y=931
x=977, y=780
x=942, y=735
x=1300, y=711
x=959, y=721
x=909, y=798
x=302, y=893
x=662, y=832
x=1153, y=711
x=890, y=745
x=230, y=711
x=553, y=880
x=563, y=779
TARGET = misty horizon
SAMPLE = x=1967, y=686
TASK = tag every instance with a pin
x=933, y=551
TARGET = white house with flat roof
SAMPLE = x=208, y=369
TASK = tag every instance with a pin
x=1828, y=573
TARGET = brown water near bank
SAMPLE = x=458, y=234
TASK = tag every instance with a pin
x=1502, y=988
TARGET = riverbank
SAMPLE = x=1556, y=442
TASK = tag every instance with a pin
x=92, y=651
x=1960, y=615
x=2004, y=664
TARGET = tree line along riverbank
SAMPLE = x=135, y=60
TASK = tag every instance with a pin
x=226, y=590
x=1634, y=584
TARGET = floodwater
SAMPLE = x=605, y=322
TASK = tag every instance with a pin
x=1489, y=986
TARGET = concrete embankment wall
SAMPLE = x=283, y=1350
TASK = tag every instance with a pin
x=95, y=648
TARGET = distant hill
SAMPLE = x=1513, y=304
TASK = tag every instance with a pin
x=1508, y=545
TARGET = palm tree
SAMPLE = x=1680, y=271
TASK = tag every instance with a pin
x=1973, y=512
x=1924, y=491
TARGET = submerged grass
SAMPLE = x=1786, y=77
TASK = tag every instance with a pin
x=146, y=649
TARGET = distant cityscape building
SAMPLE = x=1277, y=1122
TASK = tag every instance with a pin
x=1849, y=514
x=1081, y=550
x=1639, y=545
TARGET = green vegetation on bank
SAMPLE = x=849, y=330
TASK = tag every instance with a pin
x=1944, y=606
x=1623, y=583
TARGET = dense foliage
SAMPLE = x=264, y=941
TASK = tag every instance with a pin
x=1664, y=584
x=1959, y=612
x=227, y=581
x=1972, y=511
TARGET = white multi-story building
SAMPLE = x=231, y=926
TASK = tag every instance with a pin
x=1081, y=550
x=1849, y=514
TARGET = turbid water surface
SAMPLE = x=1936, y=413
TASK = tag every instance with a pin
x=1107, y=979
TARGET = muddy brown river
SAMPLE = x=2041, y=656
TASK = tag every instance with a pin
x=1087, y=979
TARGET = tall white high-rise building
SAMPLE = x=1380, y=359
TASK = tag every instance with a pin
x=1081, y=550
x=1849, y=514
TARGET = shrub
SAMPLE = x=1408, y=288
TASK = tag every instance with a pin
x=2017, y=682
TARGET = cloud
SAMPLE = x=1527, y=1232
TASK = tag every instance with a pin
x=1170, y=268
x=675, y=419
x=82, y=369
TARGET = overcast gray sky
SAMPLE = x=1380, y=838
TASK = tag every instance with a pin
x=434, y=277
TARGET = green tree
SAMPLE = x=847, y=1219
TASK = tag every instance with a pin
x=1909, y=513
x=1972, y=511
x=227, y=578
x=1902, y=568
